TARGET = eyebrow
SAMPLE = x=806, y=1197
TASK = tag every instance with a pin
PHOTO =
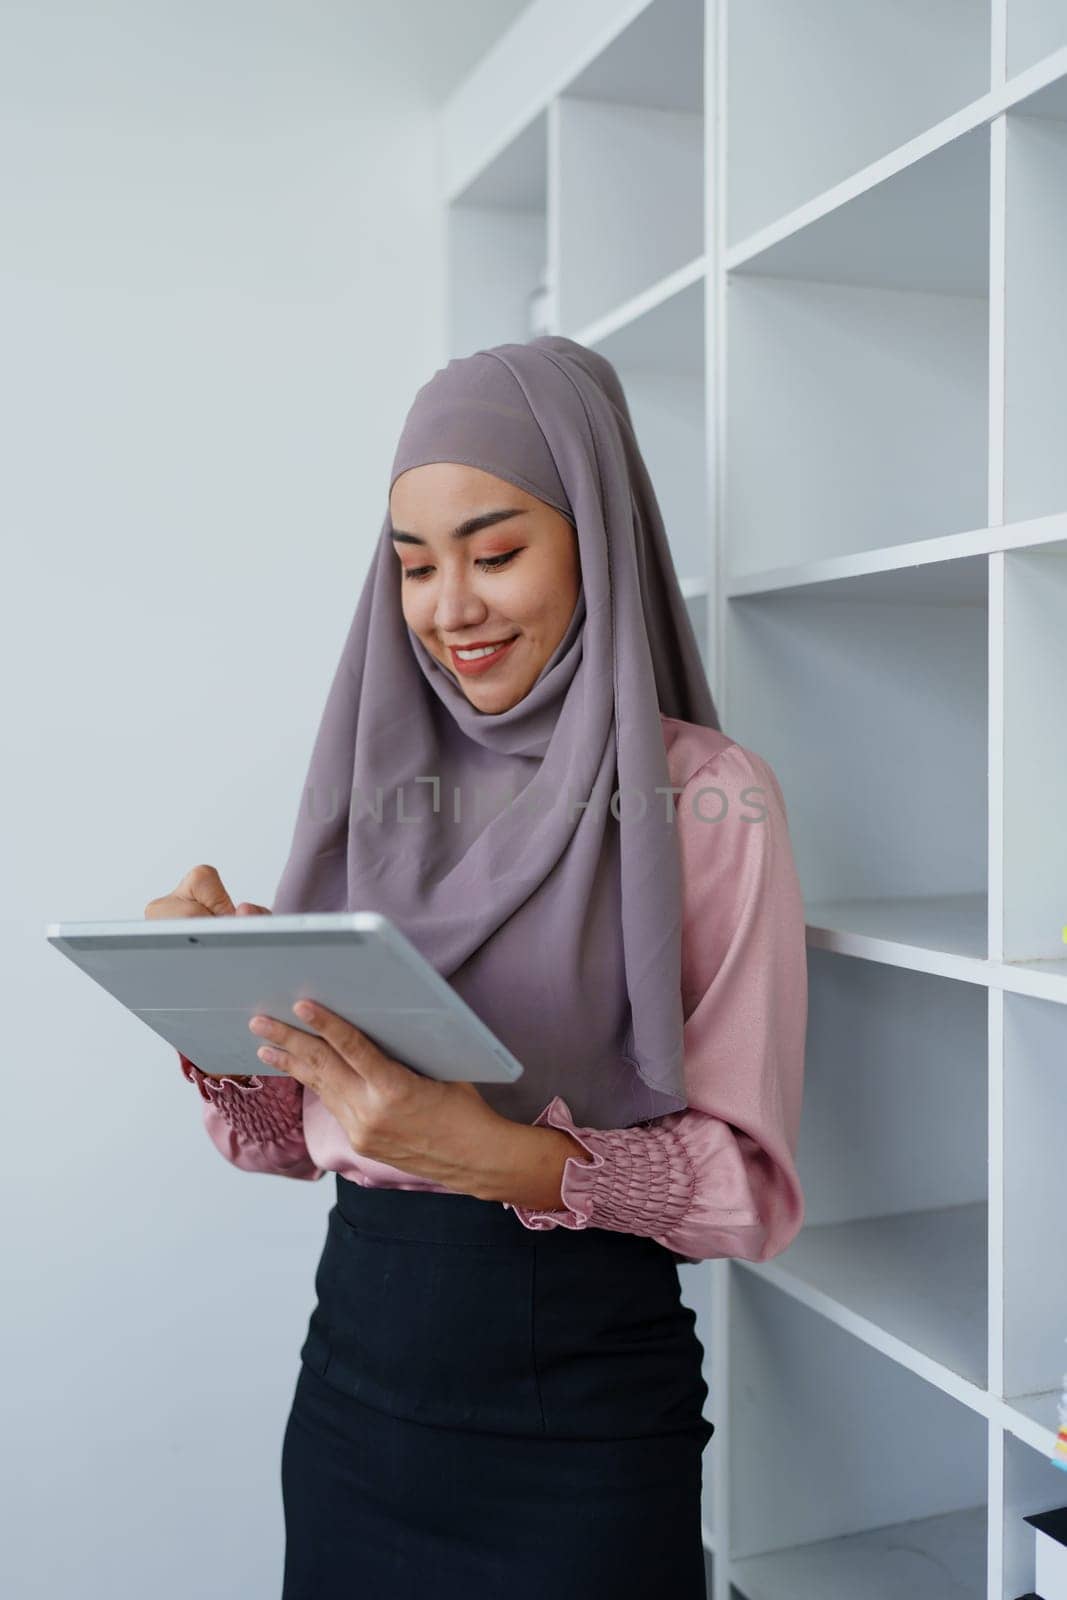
x=466, y=529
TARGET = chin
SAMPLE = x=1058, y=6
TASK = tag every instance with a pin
x=495, y=699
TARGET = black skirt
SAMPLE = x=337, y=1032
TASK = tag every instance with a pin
x=485, y=1410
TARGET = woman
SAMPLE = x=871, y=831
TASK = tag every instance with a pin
x=501, y=1390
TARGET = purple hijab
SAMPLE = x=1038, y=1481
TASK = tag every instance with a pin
x=527, y=854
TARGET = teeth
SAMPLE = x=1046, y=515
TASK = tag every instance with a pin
x=473, y=655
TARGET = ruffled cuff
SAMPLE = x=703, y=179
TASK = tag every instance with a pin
x=263, y=1110
x=638, y=1180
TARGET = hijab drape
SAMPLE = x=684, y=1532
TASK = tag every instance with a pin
x=553, y=904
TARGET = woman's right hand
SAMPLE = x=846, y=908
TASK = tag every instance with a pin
x=201, y=893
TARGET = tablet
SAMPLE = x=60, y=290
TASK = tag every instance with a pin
x=198, y=982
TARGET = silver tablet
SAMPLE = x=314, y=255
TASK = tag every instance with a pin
x=198, y=982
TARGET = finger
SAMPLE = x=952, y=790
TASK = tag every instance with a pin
x=204, y=885
x=248, y=908
x=361, y=1054
x=309, y=1059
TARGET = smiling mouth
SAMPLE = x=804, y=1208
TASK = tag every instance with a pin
x=482, y=657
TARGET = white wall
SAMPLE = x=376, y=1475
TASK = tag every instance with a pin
x=220, y=286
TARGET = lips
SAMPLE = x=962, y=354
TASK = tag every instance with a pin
x=480, y=663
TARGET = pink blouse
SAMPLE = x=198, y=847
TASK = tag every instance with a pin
x=717, y=1179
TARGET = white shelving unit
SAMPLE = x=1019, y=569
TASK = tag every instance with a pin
x=825, y=246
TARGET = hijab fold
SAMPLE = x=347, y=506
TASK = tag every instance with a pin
x=527, y=854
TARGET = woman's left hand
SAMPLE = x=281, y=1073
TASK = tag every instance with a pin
x=441, y=1131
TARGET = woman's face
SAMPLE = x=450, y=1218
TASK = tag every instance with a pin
x=483, y=563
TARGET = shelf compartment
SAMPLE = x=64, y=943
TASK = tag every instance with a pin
x=893, y=1158
x=1047, y=980
x=497, y=247
x=874, y=716
x=631, y=164
x=1035, y=29
x=917, y=1279
x=1034, y=779
x=1035, y=295
x=1041, y=1409
x=831, y=1496
x=816, y=92
x=856, y=417
x=952, y=569
x=1031, y=1484
x=930, y=1558
x=1035, y=1216
x=925, y=226
x=904, y=930
x=857, y=372
x=660, y=361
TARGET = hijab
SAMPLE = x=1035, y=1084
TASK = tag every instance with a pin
x=555, y=907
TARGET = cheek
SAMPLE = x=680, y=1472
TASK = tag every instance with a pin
x=532, y=595
x=417, y=611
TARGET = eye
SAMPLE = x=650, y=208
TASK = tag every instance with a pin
x=490, y=563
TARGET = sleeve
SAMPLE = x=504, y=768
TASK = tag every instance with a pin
x=258, y=1126
x=719, y=1178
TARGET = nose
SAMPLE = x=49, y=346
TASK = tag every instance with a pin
x=458, y=605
